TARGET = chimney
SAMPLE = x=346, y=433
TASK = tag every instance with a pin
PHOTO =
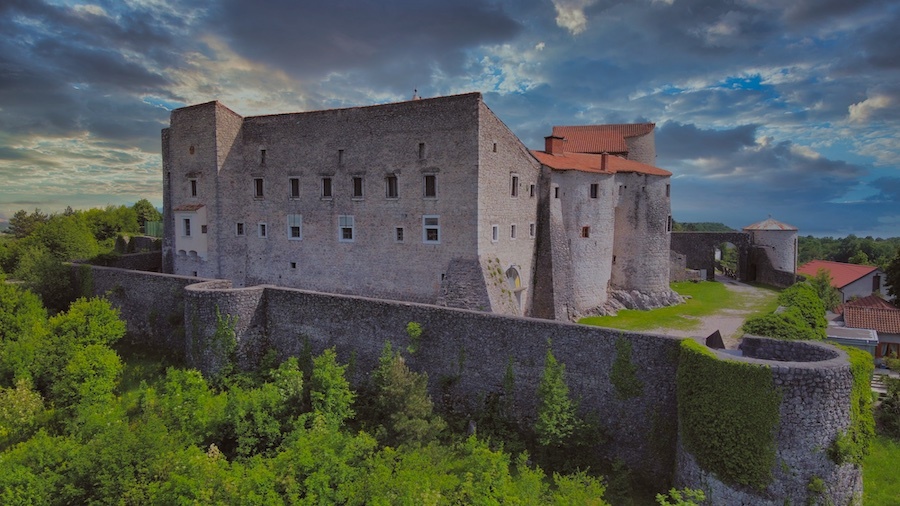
x=554, y=144
x=604, y=161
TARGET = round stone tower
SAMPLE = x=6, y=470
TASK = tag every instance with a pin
x=779, y=240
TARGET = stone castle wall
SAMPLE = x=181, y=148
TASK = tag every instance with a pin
x=466, y=354
x=641, y=247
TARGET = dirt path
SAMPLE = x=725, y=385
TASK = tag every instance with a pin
x=727, y=321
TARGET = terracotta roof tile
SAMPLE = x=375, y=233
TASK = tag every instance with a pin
x=587, y=162
x=841, y=274
x=872, y=301
x=770, y=224
x=188, y=207
x=601, y=138
x=877, y=319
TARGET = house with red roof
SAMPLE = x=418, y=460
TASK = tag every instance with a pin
x=852, y=280
x=878, y=315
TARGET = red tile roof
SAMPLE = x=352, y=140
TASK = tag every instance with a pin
x=587, y=162
x=872, y=301
x=770, y=224
x=841, y=274
x=188, y=207
x=878, y=319
x=601, y=138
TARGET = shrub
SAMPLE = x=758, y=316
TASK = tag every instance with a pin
x=787, y=324
x=803, y=298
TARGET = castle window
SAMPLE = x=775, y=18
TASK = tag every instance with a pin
x=398, y=234
x=340, y=157
x=191, y=149
x=430, y=185
x=390, y=186
x=495, y=147
x=187, y=227
x=258, y=187
x=556, y=192
x=669, y=224
x=431, y=229
x=595, y=190
x=421, y=150
x=326, y=188
x=495, y=233
x=531, y=230
x=261, y=229
x=239, y=230
x=585, y=232
x=357, y=187
x=531, y=190
x=295, y=187
x=193, y=187
x=345, y=228
x=512, y=231
x=293, y=265
x=668, y=190
x=514, y=185
x=262, y=156
x=202, y=229
x=295, y=227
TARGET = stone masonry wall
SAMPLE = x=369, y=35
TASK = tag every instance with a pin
x=815, y=383
x=465, y=354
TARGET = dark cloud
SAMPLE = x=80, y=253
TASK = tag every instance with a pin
x=888, y=190
x=679, y=141
x=390, y=40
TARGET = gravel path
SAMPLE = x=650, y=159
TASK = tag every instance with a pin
x=727, y=321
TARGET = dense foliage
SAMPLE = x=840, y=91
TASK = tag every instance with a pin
x=728, y=412
x=850, y=249
x=852, y=445
x=701, y=227
x=79, y=425
x=892, y=278
x=888, y=414
x=801, y=316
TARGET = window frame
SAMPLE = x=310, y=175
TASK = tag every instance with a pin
x=259, y=188
x=294, y=187
x=326, y=187
x=186, y=227
x=294, y=221
x=532, y=228
x=512, y=231
x=239, y=228
x=514, y=185
x=391, y=186
x=193, y=183
x=435, y=227
x=346, y=222
x=357, y=189
x=262, y=230
x=425, y=179
x=594, y=191
x=495, y=233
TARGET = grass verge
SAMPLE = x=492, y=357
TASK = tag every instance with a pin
x=881, y=481
x=706, y=298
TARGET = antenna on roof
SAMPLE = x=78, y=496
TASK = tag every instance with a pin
x=416, y=94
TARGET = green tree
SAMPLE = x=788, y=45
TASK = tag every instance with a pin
x=47, y=276
x=66, y=238
x=329, y=391
x=787, y=324
x=892, y=278
x=859, y=258
x=106, y=224
x=401, y=402
x=829, y=295
x=20, y=413
x=803, y=298
x=145, y=212
x=556, y=417
x=22, y=224
x=888, y=413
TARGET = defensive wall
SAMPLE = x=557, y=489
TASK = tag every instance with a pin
x=629, y=381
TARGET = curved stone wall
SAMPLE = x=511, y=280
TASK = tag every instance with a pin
x=814, y=381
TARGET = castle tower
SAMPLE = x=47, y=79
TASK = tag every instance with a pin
x=779, y=240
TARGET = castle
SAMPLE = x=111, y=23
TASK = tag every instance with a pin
x=432, y=201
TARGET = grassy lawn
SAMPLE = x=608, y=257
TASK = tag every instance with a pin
x=707, y=298
x=881, y=481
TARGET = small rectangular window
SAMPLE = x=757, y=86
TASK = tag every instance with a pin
x=495, y=233
x=340, y=157
x=193, y=187
x=514, y=185
x=669, y=224
x=239, y=230
x=531, y=230
x=585, y=232
x=295, y=227
x=293, y=265
x=421, y=150
x=295, y=188
x=326, y=188
x=357, y=187
x=202, y=229
x=345, y=228
x=262, y=156
x=595, y=190
x=531, y=190
x=390, y=186
x=668, y=190
x=258, y=187
x=556, y=192
x=398, y=234
x=262, y=229
x=187, y=227
x=495, y=147
x=430, y=185
x=431, y=229
x=512, y=231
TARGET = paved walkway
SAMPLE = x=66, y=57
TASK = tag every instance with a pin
x=727, y=321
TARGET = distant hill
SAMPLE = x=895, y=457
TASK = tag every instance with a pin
x=703, y=226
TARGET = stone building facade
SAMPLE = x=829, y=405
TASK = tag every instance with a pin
x=433, y=201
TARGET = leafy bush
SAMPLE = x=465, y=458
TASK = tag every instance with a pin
x=787, y=324
x=852, y=445
x=888, y=414
x=556, y=418
x=803, y=298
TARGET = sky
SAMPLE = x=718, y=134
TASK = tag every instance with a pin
x=762, y=107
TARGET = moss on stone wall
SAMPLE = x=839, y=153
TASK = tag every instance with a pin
x=852, y=445
x=623, y=374
x=728, y=415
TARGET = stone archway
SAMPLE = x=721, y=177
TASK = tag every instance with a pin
x=699, y=251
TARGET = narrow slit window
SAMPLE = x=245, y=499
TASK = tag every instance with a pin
x=512, y=231
x=262, y=230
x=668, y=190
x=531, y=190
x=495, y=233
x=187, y=227
x=531, y=230
x=295, y=188
x=585, y=232
x=258, y=187
x=430, y=185
x=357, y=187
x=326, y=188
x=595, y=190
x=421, y=150
x=514, y=185
x=262, y=156
x=239, y=229
x=390, y=186
x=193, y=187
x=398, y=234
